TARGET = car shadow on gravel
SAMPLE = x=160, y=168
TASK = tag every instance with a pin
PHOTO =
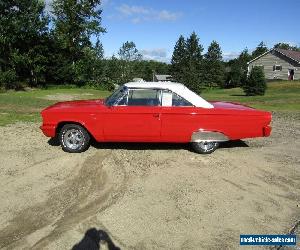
x=53, y=141
x=234, y=144
x=140, y=145
x=151, y=146
x=159, y=146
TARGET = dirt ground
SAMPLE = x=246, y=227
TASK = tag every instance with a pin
x=147, y=196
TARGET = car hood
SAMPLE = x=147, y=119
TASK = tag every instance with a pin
x=76, y=104
x=230, y=105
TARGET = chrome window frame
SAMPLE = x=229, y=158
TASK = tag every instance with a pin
x=127, y=93
x=192, y=105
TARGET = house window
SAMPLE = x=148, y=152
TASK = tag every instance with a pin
x=277, y=68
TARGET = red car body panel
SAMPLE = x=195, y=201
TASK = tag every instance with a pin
x=156, y=123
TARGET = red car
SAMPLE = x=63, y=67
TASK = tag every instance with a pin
x=153, y=112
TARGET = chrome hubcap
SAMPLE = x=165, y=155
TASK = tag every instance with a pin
x=73, y=139
x=207, y=146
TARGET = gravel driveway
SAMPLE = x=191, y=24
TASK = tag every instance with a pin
x=147, y=196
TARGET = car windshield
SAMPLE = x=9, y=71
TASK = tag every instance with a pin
x=116, y=96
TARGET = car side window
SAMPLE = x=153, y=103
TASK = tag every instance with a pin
x=123, y=101
x=143, y=97
x=170, y=98
x=179, y=101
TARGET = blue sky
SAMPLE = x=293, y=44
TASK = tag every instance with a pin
x=155, y=26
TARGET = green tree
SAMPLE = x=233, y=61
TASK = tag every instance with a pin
x=255, y=83
x=75, y=22
x=214, y=52
x=243, y=59
x=259, y=50
x=186, y=63
x=194, y=51
x=213, y=66
x=194, y=72
x=178, y=61
x=145, y=69
x=113, y=70
x=286, y=46
x=23, y=26
x=238, y=68
x=234, y=74
x=128, y=54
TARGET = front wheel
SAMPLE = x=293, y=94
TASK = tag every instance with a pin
x=74, y=138
x=205, y=147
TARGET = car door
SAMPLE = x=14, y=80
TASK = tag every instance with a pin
x=134, y=118
x=178, y=117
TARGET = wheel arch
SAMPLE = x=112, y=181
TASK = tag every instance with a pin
x=62, y=123
x=208, y=135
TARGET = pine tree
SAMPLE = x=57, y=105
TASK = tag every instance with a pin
x=194, y=51
x=233, y=77
x=243, y=59
x=214, y=68
x=259, y=50
x=193, y=76
x=214, y=52
x=238, y=70
x=255, y=83
x=187, y=62
x=178, y=61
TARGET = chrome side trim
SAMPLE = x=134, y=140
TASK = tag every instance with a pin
x=208, y=136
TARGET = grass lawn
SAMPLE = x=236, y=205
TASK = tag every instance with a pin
x=26, y=105
x=280, y=96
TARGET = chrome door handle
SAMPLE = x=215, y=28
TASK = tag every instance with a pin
x=157, y=115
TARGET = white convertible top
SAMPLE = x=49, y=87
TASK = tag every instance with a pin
x=177, y=88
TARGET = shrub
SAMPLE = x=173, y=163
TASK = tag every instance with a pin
x=101, y=85
x=255, y=84
x=8, y=80
x=108, y=85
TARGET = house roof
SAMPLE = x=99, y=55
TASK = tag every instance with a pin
x=177, y=88
x=294, y=55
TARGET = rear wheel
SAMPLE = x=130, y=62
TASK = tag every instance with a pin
x=74, y=138
x=205, y=147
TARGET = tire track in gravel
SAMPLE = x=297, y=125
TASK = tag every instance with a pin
x=92, y=190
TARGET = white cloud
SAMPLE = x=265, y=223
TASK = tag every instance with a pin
x=131, y=10
x=156, y=54
x=105, y=2
x=167, y=15
x=139, y=14
x=230, y=55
